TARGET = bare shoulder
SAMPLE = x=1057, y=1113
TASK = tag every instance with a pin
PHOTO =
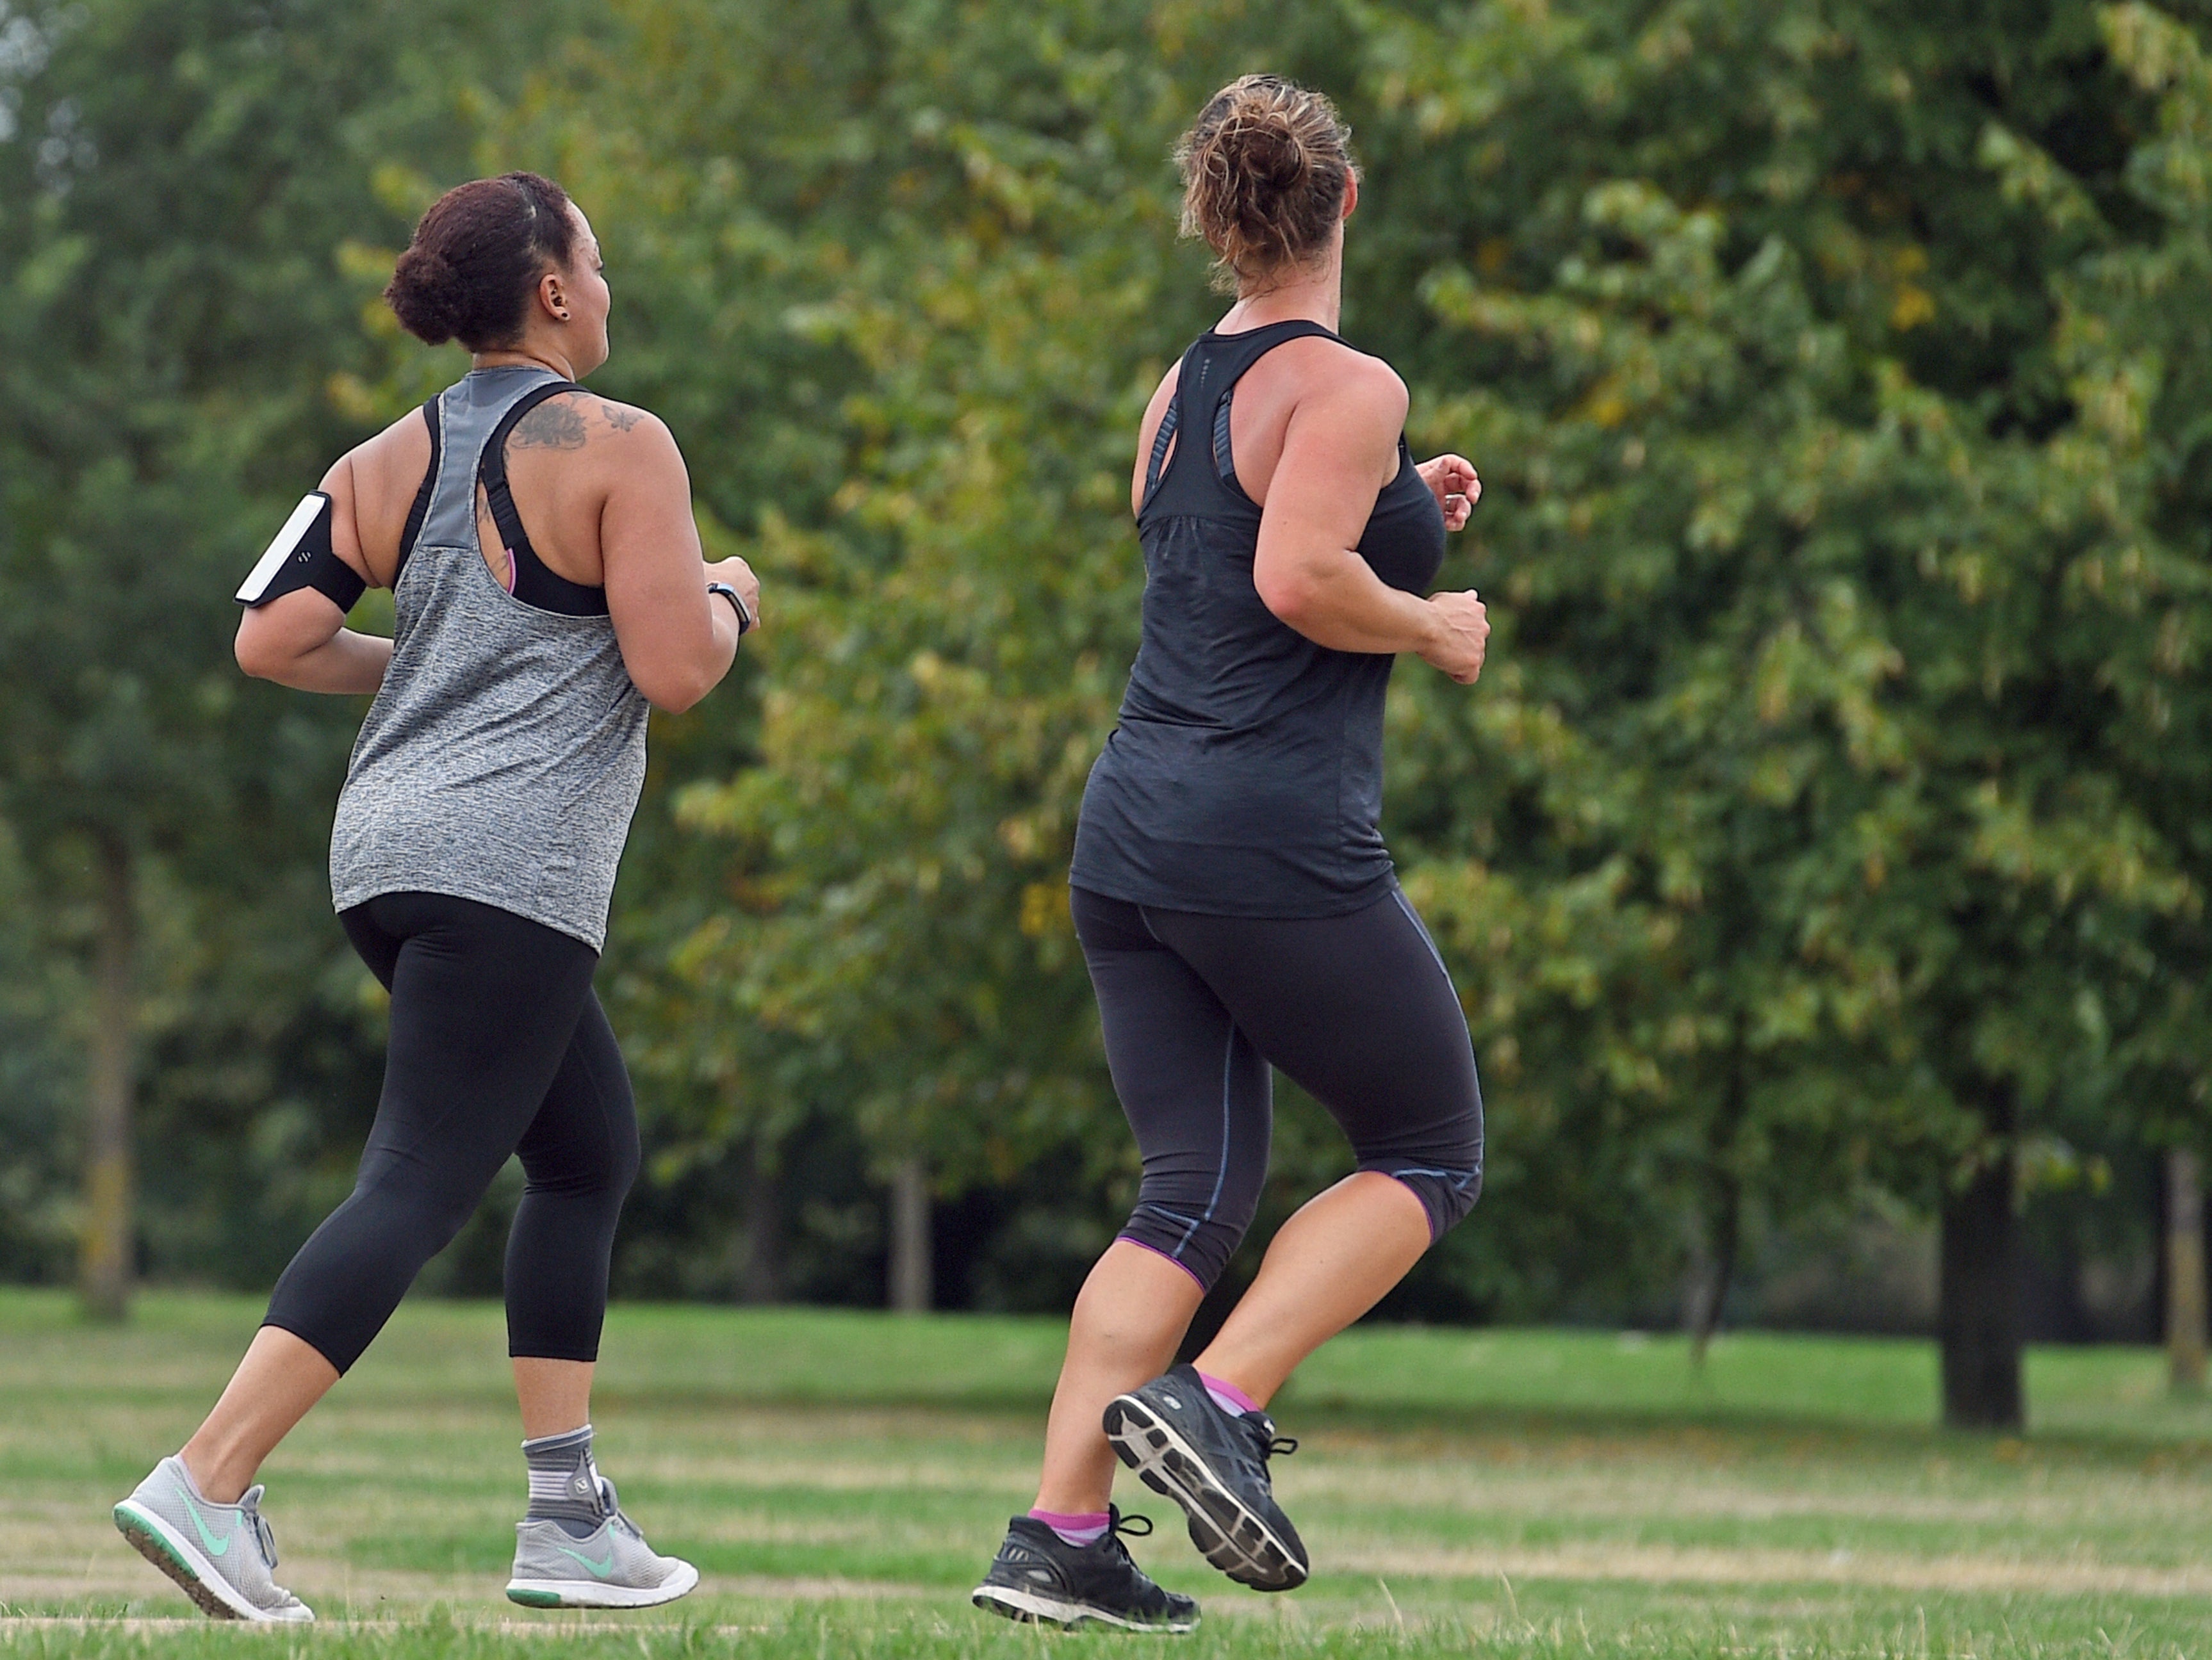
x=398, y=455
x=581, y=420
x=1342, y=376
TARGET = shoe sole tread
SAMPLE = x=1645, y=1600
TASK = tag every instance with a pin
x=169, y=1551
x=1227, y=1532
x=1030, y=1608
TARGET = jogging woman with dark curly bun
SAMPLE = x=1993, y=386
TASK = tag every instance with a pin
x=1235, y=904
x=549, y=589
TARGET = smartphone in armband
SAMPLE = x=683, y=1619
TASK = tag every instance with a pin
x=302, y=556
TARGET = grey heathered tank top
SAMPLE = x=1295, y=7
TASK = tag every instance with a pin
x=501, y=761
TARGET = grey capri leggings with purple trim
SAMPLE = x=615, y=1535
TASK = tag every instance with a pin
x=1358, y=1009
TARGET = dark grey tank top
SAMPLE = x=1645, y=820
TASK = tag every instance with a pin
x=502, y=759
x=1245, y=779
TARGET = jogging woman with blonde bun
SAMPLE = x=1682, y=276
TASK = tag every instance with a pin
x=549, y=589
x=1235, y=904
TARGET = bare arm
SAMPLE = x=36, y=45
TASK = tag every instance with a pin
x=1339, y=449
x=677, y=640
x=300, y=639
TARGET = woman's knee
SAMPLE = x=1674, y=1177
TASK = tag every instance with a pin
x=624, y=1151
x=603, y=1177
x=1441, y=1168
x=1200, y=1245
x=409, y=1213
x=1447, y=1193
x=1196, y=1223
x=588, y=1150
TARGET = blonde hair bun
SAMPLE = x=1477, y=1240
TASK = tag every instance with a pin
x=1265, y=169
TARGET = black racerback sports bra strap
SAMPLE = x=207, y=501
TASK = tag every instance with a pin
x=1201, y=479
x=530, y=580
x=1170, y=419
x=1224, y=466
x=421, y=506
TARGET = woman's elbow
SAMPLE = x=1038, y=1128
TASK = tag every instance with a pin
x=257, y=654
x=670, y=702
x=1292, y=599
x=674, y=693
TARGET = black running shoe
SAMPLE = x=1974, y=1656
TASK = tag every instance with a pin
x=1040, y=1578
x=1214, y=1465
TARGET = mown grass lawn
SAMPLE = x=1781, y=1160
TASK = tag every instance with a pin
x=841, y=1478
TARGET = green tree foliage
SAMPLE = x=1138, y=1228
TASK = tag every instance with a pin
x=910, y=423
x=957, y=247
x=177, y=182
x=2139, y=347
x=1829, y=615
x=1789, y=845
x=1828, y=820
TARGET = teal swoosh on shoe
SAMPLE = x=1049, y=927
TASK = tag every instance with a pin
x=215, y=1547
x=168, y=1522
x=599, y=1570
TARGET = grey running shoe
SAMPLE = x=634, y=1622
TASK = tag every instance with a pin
x=220, y=1554
x=1214, y=1465
x=1038, y=1577
x=610, y=1567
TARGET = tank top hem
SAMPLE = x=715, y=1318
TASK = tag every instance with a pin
x=1310, y=911
x=344, y=899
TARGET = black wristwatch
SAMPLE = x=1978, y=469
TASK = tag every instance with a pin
x=744, y=617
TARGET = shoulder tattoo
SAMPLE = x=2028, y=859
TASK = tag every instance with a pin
x=555, y=424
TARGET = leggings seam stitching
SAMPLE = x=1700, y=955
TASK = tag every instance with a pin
x=1435, y=955
x=1462, y=1177
x=1221, y=1167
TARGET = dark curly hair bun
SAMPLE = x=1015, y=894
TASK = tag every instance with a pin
x=475, y=259
x=1265, y=169
x=424, y=294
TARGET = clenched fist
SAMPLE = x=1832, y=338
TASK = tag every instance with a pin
x=1461, y=634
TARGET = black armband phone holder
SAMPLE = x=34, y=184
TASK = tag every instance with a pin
x=302, y=557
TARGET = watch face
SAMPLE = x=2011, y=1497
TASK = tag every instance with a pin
x=745, y=617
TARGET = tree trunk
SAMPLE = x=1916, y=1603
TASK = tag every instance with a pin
x=1979, y=1319
x=105, y=1245
x=1715, y=1268
x=910, y=1288
x=760, y=1278
x=2184, y=1272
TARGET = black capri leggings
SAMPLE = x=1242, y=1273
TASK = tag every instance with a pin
x=1358, y=1009
x=499, y=1046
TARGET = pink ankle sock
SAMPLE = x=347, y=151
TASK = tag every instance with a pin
x=1076, y=1530
x=1228, y=1396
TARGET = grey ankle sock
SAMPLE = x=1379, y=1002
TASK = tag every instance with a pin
x=564, y=1482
